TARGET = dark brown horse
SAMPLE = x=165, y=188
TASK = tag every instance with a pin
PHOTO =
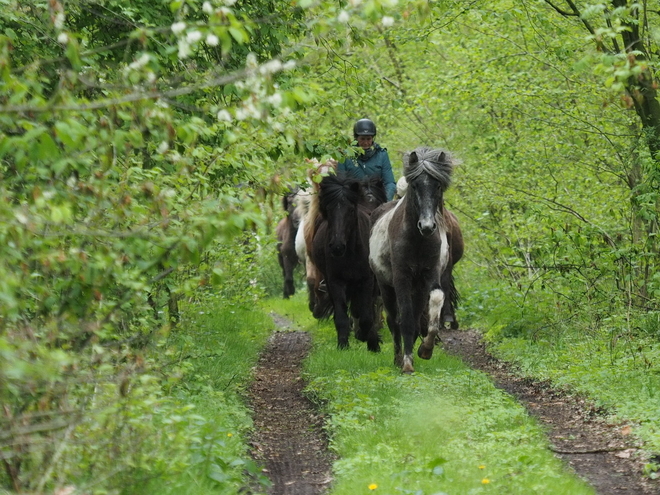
x=286, y=231
x=410, y=253
x=341, y=253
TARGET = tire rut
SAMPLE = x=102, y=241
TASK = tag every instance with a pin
x=288, y=438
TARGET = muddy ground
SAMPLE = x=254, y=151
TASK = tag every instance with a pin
x=290, y=443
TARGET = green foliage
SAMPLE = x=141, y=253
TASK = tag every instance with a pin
x=143, y=146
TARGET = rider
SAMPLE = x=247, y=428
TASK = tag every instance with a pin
x=373, y=160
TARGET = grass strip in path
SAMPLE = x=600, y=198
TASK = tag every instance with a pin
x=444, y=430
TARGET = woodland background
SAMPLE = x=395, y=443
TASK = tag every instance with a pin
x=145, y=145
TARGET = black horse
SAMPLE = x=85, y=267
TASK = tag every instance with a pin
x=341, y=253
x=410, y=254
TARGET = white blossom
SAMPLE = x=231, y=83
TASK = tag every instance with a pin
x=343, y=17
x=271, y=67
x=63, y=38
x=21, y=217
x=163, y=147
x=193, y=37
x=178, y=27
x=289, y=64
x=387, y=21
x=140, y=62
x=224, y=115
x=58, y=22
x=184, y=49
x=275, y=99
x=229, y=3
x=212, y=40
x=251, y=61
x=207, y=8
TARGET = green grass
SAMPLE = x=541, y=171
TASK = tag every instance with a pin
x=623, y=375
x=214, y=349
x=445, y=429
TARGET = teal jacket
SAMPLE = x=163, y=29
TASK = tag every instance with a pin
x=378, y=164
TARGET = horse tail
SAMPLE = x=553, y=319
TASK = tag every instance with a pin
x=451, y=292
x=323, y=309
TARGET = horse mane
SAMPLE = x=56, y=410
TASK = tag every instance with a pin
x=316, y=169
x=436, y=162
x=336, y=189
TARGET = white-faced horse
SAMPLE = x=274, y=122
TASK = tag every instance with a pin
x=410, y=252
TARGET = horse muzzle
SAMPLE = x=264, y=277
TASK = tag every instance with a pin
x=338, y=250
x=427, y=228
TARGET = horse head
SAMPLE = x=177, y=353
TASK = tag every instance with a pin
x=428, y=173
x=372, y=193
x=339, y=198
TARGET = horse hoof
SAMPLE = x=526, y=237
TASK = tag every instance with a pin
x=453, y=325
x=407, y=369
x=373, y=348
x=425, y=352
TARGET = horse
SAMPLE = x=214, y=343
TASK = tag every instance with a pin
x=294, y=204
x=409, y=253
x=456, y=247
x=341, y=252
x=304, y=239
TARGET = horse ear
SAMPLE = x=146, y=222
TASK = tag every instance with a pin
x=413, y=158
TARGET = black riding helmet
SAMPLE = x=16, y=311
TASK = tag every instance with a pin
x=364, y=127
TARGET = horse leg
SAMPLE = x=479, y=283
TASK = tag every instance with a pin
x=363, y=308
x=288, y=268
x=409, y=323
x=342, y=320
x=451, y=299
x=436, y=302
x=389, y=301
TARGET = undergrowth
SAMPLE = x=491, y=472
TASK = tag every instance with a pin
x=445, y=429
x=212, y=352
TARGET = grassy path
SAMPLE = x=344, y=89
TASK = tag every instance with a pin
x=446, y=429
